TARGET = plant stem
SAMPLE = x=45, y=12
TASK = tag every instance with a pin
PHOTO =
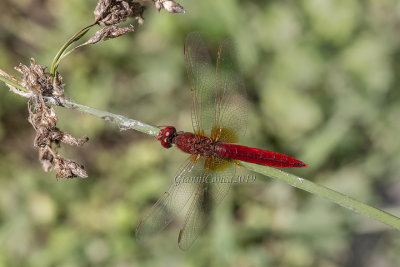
x=4, y=77
x=322, y=191
x=301, y=183
x=121, y=121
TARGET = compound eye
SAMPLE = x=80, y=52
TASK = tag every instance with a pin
x=170, y=130
x=166, y=143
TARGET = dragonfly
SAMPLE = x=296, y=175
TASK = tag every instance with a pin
x=219, y=120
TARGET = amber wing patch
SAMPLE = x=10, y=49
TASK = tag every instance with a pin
x=226, y=135
x=217, y=164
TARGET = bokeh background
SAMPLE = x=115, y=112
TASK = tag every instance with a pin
x=323, y=86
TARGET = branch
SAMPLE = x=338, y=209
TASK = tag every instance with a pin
x=121, y=121
x=322, y=191
x=301, y=183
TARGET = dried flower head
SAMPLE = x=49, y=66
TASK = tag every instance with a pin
x=109, y=33
x=169, y=5
x=66, y=168
x=111, y=12
x=35, y=79
x=44, y=120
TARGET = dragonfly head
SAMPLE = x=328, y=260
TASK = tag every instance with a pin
x=166, y=135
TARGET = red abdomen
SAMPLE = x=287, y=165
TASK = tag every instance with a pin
x=258, y=156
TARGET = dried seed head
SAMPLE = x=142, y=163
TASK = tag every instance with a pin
x=68, y=139
x=44, y=120
x=66, y=168
x=101, y=9
x=35, y=79
x=111, y=12
x=169, y=5
x=109, y=33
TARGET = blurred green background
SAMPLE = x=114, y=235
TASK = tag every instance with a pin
x=322, y=83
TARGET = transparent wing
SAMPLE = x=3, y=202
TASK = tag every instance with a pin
x=230, y=99
x=208, y=195
x=170, y=204
x=202, y=79
x=219, y=98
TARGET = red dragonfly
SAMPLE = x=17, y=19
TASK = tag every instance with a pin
x=219, y=119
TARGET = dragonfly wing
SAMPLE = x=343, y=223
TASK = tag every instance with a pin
x=207, y=196
x=202, y=80
x=230, y=100
x=170, y=204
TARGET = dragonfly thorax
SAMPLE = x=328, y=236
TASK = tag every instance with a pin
x=195, y=144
